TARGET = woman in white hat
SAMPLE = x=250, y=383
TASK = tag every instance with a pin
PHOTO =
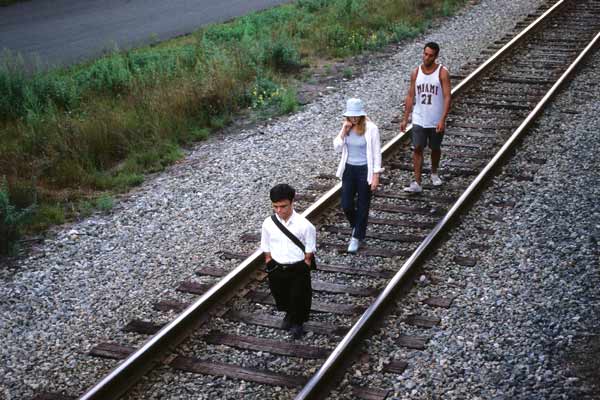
x=359, y=167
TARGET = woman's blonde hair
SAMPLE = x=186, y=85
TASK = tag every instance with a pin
x=361, y=126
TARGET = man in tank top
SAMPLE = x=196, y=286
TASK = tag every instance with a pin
x=428, y=100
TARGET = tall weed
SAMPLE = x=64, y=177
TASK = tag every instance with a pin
x=22, y=95
x=109, y=74
x=288, y=101
x=281, y=54
x=350, y=10
x=11, y=220
x=312, y=6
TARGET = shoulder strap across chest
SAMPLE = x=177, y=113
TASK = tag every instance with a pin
x=289, y=234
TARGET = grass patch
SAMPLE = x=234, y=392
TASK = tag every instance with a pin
x=288, y=101
x=11, y=221
x=102, y=125
x=347, y=73
x=105, y=203
x=45, y=216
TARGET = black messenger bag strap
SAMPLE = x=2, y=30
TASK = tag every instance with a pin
x=289, y=234
x=293, y=238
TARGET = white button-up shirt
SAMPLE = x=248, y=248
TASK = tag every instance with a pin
x=282, y=249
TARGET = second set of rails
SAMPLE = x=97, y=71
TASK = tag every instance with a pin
x=492, y=107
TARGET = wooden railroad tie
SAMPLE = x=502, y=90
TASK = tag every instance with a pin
x=195, y=365
x=438, y=301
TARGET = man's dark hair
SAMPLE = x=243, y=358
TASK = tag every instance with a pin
x=433, y=46
x=283, y=191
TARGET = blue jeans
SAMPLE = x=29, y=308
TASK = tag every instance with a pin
x=355, y=185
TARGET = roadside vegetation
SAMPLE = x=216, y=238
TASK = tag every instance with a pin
x=71, y=138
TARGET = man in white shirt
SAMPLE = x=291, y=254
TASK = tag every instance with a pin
x=287, y=264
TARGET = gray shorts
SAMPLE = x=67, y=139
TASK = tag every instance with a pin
x=423, y=136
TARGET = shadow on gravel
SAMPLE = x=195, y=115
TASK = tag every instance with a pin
x=583, y=360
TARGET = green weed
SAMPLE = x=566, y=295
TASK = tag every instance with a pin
x=45, y=216
x=288, y=101
x=105, y=203
x=11, y=221
x=84, y=208
x=198, y=134
x=347, y=73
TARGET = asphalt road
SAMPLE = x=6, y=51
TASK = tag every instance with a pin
x=63, y=32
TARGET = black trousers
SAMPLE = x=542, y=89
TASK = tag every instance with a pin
x=291, y=289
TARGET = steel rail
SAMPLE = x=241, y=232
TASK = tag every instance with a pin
x=508, y=46
x=316, y=387
x=128, y=372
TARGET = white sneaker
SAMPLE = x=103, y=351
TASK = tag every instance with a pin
x=435, y=180
x=413, y=188
x=353, y=246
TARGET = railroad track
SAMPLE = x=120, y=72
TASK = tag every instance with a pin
x=493, y=105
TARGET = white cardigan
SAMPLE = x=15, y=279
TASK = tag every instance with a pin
x=373, y=151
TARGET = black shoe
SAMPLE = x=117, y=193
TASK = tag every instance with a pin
x=297, y=331
x=286, y=324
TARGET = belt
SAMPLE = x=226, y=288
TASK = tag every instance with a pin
x=283, y=267
x=288, y=266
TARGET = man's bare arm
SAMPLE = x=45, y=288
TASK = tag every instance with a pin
x=447, y=93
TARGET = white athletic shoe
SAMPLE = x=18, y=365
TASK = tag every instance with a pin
x=435, y=180
x=354, y=245
x=413, y=188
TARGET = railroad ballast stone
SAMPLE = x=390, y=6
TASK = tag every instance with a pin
x=525, y=323
x=85, y=282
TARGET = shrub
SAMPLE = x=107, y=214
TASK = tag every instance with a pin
x=61, y=91
x=152, y=66
x=335, y=37
x=51, y=214
x=12, y=84
x=402, y=30
x=105, y=203
x=262, y=91
x=122, y=181
x=281, y=54
x=377, y=40
x=126, y=180
x=350, y=10
x=288, y=101
x=11, y=221
x=23, y=194
x=84, y=208
x=198, y=134
x=109, y=74
x=21, y=95
x=313, y=6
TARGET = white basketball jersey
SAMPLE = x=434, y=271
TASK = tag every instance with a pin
x=429, y=99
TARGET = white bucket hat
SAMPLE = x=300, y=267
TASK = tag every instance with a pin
x=355, y=108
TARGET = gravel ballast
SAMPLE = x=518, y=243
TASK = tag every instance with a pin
x=88, y=279
x=524, y=320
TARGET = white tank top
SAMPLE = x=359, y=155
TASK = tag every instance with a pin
x=429, y=99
